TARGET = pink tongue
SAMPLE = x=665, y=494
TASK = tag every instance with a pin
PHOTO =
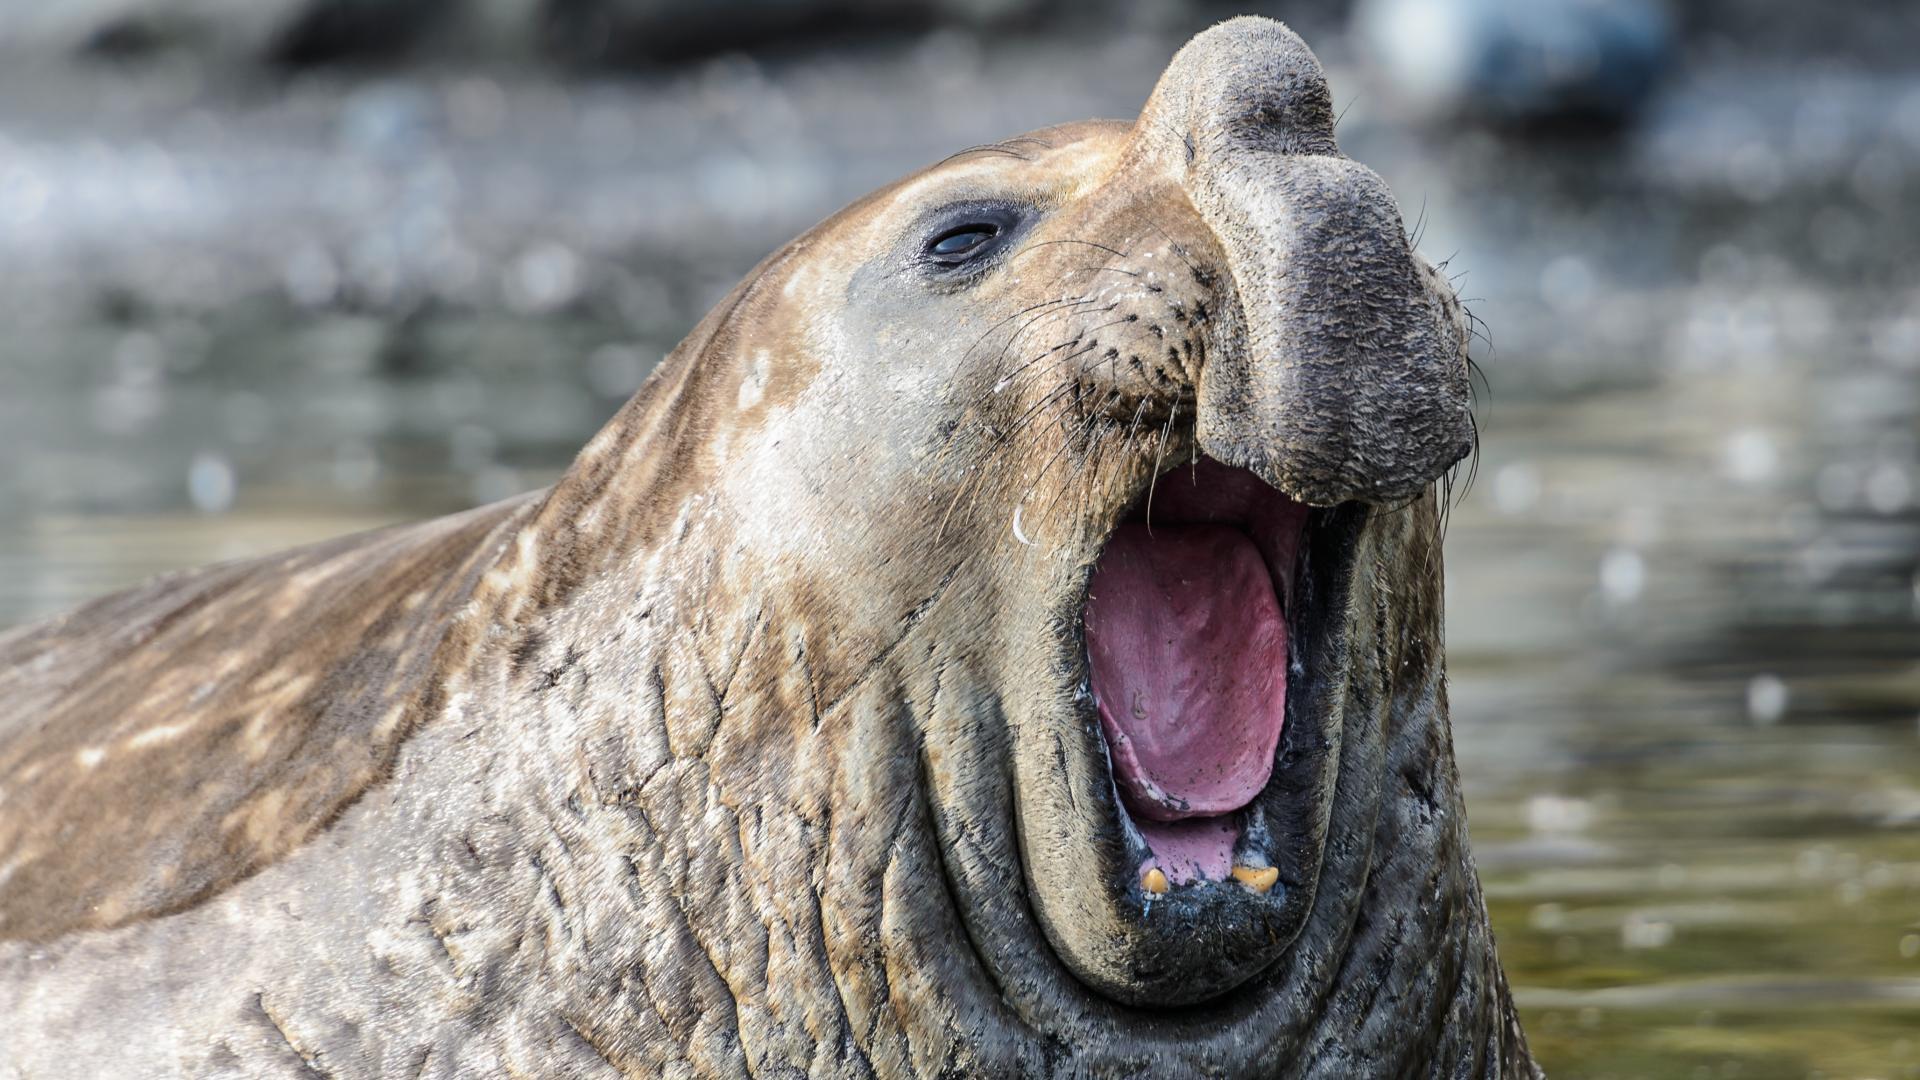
x=1189, y=657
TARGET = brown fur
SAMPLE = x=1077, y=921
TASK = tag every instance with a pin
x=160, y=744
x=757, y=745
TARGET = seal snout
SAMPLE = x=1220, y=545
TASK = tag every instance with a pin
x=1344, y=376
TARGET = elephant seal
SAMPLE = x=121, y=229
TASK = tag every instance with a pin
x=1004, y=639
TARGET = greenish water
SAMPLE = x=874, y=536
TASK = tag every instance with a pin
x=1682, y=594
x=1694, y=785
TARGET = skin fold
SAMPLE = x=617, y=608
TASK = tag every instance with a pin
x=760, y=744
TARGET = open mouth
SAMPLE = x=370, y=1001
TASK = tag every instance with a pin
x=1174, y=828
x=1188, y=647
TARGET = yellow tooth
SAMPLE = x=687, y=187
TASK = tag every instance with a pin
x=1259, y=879
x=1155, y=881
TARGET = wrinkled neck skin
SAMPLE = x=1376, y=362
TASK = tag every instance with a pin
x=790, y=836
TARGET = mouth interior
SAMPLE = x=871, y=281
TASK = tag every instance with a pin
x=1187, y=641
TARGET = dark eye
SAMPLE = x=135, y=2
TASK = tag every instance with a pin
x=956, y=244
x=963, y=241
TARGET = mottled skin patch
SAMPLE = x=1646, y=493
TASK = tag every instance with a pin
x=159, y=744
x=758, y=745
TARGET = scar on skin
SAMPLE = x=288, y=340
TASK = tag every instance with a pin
x=156, y=735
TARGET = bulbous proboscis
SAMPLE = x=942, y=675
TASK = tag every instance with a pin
x=1350, y=381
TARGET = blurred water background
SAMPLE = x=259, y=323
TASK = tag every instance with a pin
x=279, y=270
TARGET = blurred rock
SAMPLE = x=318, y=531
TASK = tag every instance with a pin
x=297, y=33
x=300, y=33
x=652, y=31
x=327, y=30
x=1525, y=61
x=291, y=32
x=1859, y=34
x=131, y=27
